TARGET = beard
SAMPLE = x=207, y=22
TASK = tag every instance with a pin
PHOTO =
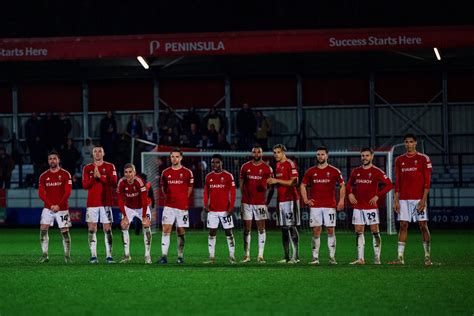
x=321, y=162
x=257, y=159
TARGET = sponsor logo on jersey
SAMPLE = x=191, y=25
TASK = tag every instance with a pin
x=321, y=180
x=254, y=177
x=131, y=195
x=410, y=169
x=54, y=184
x=175, y=182
x=363, y=181
x=217, y=186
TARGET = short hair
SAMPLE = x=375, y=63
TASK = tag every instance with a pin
x=409, y=135
x=53, y=152
x=176, y=150
x=280, y=146
x=129, y=165
x=217, y=156
x=322, y=148
x=257, y=146
x=367, y=149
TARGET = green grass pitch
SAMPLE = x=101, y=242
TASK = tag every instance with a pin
x=27, y=287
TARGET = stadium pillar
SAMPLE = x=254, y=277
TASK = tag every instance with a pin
x=156, y=106
x=85, y=110
x=15, y=111
x=301, y=141
x=372, y=110
x=227, y=108
x=445, y=115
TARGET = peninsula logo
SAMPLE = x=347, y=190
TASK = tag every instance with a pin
x=185, y=46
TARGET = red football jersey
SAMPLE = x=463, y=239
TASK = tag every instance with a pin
x=133, y=195
x=412, y=175
x=323, y=183
x=220, y=189
x=366, y=185
x=99, y=191
x=175, y=184
x=254, y=186
x=285, y=171
x=55, y=188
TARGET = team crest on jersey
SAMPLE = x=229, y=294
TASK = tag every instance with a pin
x=126, y=188
x=59, y=177
x=327, y=174
x=358, y=174
x=260, y=171
x=416, y=161
x=103, y=170
x=370, y=174
x=181, y=176
x=222, y=179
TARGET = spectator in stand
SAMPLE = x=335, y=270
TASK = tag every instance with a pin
x=32, y=130
x=64, y=128
x=193, y=135
x=108, y=134
x=191, y=118
x=221, y=143
x=38, y=157
x=263, y=129
x=86, y=153
x=6, y=168
x=169, y=119
x=205, y=142
x=70, y=157
x=212, y=133
x=213, y=117
x=169, y=138
x=246, y=125
x=134, y=126
x=52, y=132
x=123, y=152
x=150, y=135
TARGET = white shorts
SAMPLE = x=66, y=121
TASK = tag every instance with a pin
x=61, y=217
x=250, y=211
x=103, y=212
x=213, y=219
x=322, y=216
x=365, y=217
x=172, y=215
x=288, y=213
x=409, y=213
x=136, y=212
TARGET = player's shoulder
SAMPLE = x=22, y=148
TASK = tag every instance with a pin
x=187, y=170
x=121, y=182
x=139, y=181
x=377, y=169
x=228, y=174
x=45, y=173
x=89, y=166
x=246, y=165
x=65, y=172
x=331, y=167
x=166, y=170
x=423, y=156
x=291, y=163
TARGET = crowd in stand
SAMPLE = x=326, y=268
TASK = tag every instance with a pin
x=43, y=134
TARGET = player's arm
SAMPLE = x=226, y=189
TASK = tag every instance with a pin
x=349, y=191
x=231, y=198
x=287, y=183
x=144, y=199
x=42, y=193
x=241, y=186
x=206, y=197
x=67, y=190
x=304, y=195
x=342, y=196
x=112, y=178
x=190, y=185
x=396, y=195
x=86, y=182
x=426, y=185
x=387, y=186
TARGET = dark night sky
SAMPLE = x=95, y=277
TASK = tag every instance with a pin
x=45, y=18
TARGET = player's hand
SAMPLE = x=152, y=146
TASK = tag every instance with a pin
x=352, y=199
x=125, y=222
x=55, y=208
x=309, y=202
x=146, y=222
x=205, y=209
x=230, y=211
x=396, y=206
x=421, y=205
x=271, y=181
x=373, y=201
x=340, y=205
x=96, y=172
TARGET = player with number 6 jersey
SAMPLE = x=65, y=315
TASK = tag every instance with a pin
x=176, y=183
x=363, y=192
x=253, y=185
